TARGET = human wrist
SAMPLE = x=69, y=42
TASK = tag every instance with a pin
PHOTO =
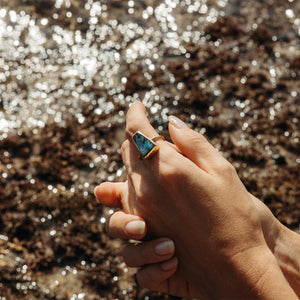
x=287, y=253
x=250, y=274
x=262, y=276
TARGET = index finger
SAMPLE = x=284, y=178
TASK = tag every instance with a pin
x=136, y=120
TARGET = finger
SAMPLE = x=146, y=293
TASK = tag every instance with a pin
x=110, y=193
x=125, y=226
x=173, y=146
x=148, y=252
x=155, y=276
x=167, y=163
x=136, y=120
x=194, y=146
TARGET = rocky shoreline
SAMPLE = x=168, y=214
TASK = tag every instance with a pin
x=68, y=73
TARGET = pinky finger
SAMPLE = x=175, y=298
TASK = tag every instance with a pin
x=155, y=276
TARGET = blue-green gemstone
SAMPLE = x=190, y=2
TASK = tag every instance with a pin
x=143, y=144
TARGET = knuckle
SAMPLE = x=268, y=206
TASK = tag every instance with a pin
x=125, y=156
x=195, y=138
x=141, y=189
x=172, y=176
x=168, y=170
x=226, y=169
x=133, y=125
x=134, y=118
x=124, y=147
x=144, y=195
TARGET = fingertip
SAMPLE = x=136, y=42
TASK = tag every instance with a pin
x=194, y=146
x=135, y=229
x=136, y=120
x=169, y=265
x=126, y=226
x=138, y=104
x=177, y=123
x=175, y=130
x=96, y=192
x=100, y=191
x=109, y=193
x=164, y=247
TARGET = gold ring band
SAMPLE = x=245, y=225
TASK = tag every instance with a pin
x=159, y=137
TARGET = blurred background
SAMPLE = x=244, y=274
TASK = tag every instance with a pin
x=69, y=69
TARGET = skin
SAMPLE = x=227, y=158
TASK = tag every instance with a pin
x=284, y=244
x=191, y=186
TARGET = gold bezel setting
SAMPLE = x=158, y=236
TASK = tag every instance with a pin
x=146, y=146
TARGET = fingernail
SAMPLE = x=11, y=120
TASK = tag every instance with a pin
x=169, y=264
x=164, y=248
x=177, y=122
x=135, y=228
x=95, y=192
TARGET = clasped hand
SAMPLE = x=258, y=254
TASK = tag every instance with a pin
x=189, y=193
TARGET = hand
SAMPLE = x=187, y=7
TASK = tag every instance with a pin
x=154, y=275
x=156, y=269
x=204, y=195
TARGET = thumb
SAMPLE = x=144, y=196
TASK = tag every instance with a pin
x=194, y=145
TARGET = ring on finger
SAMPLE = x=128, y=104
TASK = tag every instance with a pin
x=146, y=146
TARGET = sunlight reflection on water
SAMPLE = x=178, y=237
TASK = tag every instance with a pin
x=73, y=61
x=48, y=70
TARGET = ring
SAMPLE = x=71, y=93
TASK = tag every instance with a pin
x=146, y=146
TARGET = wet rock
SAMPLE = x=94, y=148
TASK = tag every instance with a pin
x=224, y=27
x=231, y=74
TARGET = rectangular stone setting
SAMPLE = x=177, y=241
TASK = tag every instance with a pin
x=144, y=145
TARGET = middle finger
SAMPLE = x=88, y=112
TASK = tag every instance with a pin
x=148, y=252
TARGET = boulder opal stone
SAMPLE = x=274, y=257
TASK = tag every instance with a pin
x=144, y=145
